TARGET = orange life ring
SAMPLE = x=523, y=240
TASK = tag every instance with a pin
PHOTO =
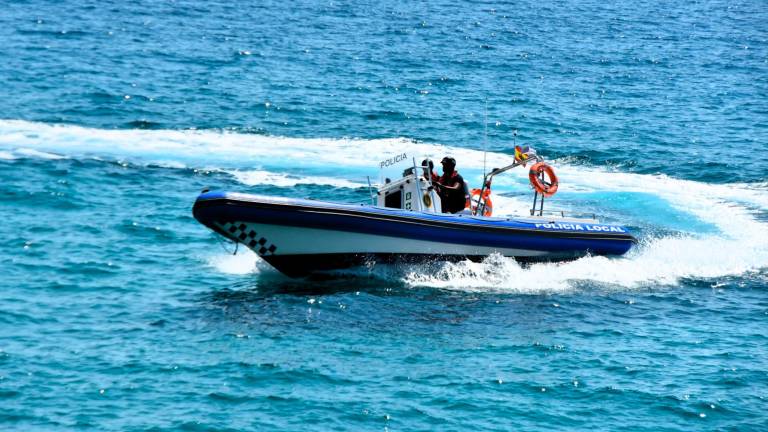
x=474, y=201
x=536, y=176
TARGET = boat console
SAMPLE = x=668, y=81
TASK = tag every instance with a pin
x=411, y=192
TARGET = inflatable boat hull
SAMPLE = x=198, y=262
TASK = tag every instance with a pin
x=299, y=237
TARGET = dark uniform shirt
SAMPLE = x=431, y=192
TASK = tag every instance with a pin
x=453, y=200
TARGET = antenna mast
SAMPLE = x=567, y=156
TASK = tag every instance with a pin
x=485, y=137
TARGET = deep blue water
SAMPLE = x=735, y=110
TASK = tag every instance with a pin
x=118, y=311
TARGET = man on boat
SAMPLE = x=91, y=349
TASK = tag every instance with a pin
x=451, y=187
x=429, y=173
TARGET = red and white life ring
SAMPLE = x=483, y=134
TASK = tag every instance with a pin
x=538, y=177
x=474, y=201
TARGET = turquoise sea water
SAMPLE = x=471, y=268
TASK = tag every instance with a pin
x=118, y=311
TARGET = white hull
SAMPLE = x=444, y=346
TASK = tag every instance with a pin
x=311, y=241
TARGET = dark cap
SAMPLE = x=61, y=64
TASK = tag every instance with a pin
x=448, y=160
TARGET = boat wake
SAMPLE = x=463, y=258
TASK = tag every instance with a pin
x=663, y=261
x=657, y=261
x=687, y=229
x=738, y=244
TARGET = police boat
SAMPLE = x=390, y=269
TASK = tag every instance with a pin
x=404, y=223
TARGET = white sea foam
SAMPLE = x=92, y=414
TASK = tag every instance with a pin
x=245, y=262
x=37, y=154
x=663, y=261
x=510, y=206
x=260, y=177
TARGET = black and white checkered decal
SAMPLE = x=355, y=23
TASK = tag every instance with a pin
x=240, y=232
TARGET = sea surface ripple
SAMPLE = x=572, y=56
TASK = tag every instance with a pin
x=118, y=311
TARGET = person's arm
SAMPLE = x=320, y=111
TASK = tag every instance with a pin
x=455, y=186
